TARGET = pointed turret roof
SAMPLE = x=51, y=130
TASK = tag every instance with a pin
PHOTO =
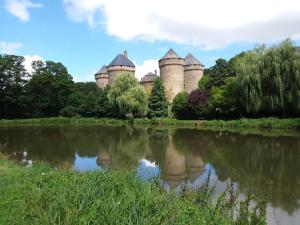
x=191, y=60
x=121, y=60
x=148, y=77
x=171, y=54
x=102, y=70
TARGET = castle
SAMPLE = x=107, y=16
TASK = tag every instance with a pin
x=177, y=74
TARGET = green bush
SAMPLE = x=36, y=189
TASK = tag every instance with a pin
x=68, y=111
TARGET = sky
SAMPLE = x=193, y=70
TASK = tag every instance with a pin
x=84, y=35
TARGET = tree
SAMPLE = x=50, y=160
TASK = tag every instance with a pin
x=12, y=81
x=127, y=97
x=249, y=83
x=180, y=107
x=102, y=105
x=223, y=100
x=158, y=105
x=48, y=90
x=198, y=101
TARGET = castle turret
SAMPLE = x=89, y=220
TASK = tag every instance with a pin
x=172, y=74
x=147, y=80
x=101, y=78
x=193, y=72
x=119, y=65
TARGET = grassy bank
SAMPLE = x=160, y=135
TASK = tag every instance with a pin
x=268, y=123
x=42, y=195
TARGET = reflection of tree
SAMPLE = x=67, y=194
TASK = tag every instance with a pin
x=263, y=165
x=158, y=142
x=39, y=143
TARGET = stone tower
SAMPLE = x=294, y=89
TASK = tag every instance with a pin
x=119, y=65
x=147, y=80
x=172, y=74
x=193, y=72
x=101, y=78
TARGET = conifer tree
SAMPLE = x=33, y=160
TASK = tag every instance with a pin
x=158, y=105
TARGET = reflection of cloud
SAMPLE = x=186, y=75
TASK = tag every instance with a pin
x=147, y=170
x=207, y=24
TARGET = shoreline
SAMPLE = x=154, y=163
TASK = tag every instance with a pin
x=261, y=123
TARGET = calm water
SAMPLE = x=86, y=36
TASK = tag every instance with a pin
x=269, y=166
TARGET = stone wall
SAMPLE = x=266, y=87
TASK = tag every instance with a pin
x=147, y=86
x=114, y=71
x=172, y=76
x=192, y=74
x=101, y=80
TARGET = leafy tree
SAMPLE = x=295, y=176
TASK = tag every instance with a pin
x=68, y=111
x=158, y=105
x=198, y=101
x=83, y=98
x=102, y=105
x=223, y=100
x=180, y=107
x=127, y=97
x=249, y=83
x=12, y=81
x=49, y=88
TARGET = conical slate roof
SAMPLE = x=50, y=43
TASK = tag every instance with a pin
x=148, y=77
x=171, y=54
x=191, y=60
x=102, y=70
x=150, y=74
x=121, y=60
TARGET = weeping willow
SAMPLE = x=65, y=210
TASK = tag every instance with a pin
x=127, y=97
x=272, y=83
x=249, y=83
x=269, y=80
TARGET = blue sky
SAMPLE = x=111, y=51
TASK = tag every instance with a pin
x=86, y=34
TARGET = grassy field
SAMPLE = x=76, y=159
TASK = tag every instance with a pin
x=265, y=123
x=43, y=195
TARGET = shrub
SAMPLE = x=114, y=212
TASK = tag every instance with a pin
x=180, y=107
x=68, y=111
x=198, y=102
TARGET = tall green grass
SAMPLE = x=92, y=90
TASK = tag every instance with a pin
x=42, y=195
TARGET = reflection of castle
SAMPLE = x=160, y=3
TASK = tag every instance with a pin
x=177, y=74
x=179, y=166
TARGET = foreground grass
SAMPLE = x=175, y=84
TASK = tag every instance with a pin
x=42, y=195
x=269, y=123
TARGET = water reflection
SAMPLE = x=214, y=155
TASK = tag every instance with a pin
x=268, y=166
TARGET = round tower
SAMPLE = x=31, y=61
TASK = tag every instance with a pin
x=172, y=74
x=119, y=65
x=193, y=72
x=101, y=78
x=147, y=80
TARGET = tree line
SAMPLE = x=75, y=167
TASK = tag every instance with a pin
x=258, y=83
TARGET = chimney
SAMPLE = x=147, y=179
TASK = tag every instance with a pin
x=155, y=72
x=126, y=54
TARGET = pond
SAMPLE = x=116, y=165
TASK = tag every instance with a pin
x=264, y=165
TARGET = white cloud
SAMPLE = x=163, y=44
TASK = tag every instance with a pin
x=9, y=47
x=202, y=23
x=20, y=8
x=148, y=66
x=28, y=62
